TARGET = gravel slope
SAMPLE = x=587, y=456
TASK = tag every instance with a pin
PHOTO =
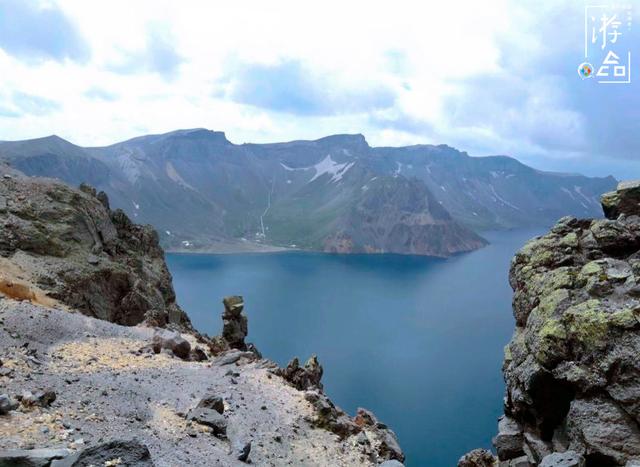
x=106, y=390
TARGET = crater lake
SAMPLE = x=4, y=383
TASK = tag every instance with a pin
x=417, y=340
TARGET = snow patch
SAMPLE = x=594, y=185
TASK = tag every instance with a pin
x=568, y=192
x=293, y=169
x=325, y=166
x=135, y=205
x=398, y=169
x=502, y=200
x=578, y=190
x=331, y=167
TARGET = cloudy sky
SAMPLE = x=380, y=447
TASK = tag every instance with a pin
x=490, y=77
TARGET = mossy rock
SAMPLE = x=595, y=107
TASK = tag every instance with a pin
x=569, y=240
x=587, y=324
x=551, y=342
x=552, y=303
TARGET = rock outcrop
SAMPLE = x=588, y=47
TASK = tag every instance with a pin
x=235, y=325
x=66, y=245
x=572, y=370
x=477, y=458
x=303, y=377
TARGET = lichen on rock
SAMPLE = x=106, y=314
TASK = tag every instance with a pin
x=572, y=371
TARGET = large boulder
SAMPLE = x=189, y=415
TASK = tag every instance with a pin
x=172, y=341
x=509, y=441
x=116, y=452
x=211, y=418
x=625, y=200
x=7, y=404
x=212, y=401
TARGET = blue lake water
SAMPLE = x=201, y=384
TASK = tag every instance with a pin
x=417, y=340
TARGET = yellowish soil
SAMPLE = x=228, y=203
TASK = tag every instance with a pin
x=15, y=283
x=101, y=354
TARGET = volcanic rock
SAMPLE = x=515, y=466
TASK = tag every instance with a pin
x=123, y=452
x=171, y=340
x=78, y=252
x=303, y=378
x=571, y=369
x=478, y=458
x=235, y=323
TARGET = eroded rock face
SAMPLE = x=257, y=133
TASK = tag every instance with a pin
x=68, y=243
x=572, y=369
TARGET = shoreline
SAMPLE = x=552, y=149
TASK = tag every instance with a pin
x=232, y=248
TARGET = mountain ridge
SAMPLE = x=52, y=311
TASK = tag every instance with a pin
x=200, y=190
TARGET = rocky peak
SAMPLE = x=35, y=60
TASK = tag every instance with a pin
x=354, y=142
x=202, y=134
x=624, y=201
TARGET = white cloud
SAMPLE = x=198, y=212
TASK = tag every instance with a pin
x=349, y=41
x=432, y=59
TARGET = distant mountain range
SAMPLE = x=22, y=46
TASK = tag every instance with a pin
x=335, y=194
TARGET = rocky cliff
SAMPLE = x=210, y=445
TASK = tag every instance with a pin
x=572, y=370
x=69, y=245
x=139, y=386
x=398, y=215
